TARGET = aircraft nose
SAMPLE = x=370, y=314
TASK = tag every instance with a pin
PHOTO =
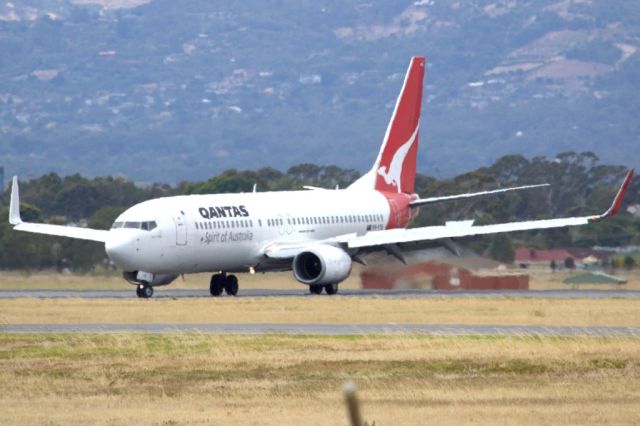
x=121, y=249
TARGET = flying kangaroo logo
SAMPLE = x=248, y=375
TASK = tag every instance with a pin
x=393, y=176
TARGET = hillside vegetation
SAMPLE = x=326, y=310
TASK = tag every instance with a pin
x=163, y=90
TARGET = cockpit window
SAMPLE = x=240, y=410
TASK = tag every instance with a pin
x=145, y=226
x=148, y=226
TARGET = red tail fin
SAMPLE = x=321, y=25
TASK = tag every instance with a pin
x=396, y=165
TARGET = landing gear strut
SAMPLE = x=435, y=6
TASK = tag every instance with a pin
x=330, y=289
x=315, y=289
x=144, y=291
x=220, y=282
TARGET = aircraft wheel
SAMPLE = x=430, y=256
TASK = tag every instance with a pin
x=315, y=289
x=231, y=285
x=331, y=288
x=139, y=290
x=216, y=285
x=146, y=291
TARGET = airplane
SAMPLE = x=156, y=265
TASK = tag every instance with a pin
x=316, y=233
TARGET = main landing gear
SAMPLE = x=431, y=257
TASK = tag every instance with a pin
x=144, y=291
x=330, y=289
x=220, y=282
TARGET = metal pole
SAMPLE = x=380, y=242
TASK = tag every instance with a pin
x=353, y=406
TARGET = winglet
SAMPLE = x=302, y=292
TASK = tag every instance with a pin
x=14, y=207
x=615, y=206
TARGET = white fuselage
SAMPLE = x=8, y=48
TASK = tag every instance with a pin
x=229, y=232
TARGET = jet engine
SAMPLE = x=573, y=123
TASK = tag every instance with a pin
x=154, y=280
x=322, y=264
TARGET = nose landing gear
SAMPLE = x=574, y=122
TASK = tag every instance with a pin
x=144, y=291
x=220, y=282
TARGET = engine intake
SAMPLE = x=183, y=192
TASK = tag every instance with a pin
x=322, y=264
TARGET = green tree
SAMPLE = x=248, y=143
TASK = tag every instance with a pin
x=104, y=217
x=629, y=263
x=569, y=263
x=501, y=249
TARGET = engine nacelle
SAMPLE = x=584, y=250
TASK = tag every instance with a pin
x=322, y=264
x=154, y=280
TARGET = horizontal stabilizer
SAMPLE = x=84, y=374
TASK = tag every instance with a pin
x=432, y=200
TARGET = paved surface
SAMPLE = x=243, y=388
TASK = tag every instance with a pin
x=160, y=293
x=326, y=329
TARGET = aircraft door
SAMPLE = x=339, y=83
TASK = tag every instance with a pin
x=181, y=228
x=281, y=225
x=288, y=224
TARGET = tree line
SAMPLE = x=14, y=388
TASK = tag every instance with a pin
x=580, y=185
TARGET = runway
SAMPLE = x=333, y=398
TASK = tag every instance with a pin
x=302, y=292
x=328, y=329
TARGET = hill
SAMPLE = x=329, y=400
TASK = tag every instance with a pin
x=162, y=90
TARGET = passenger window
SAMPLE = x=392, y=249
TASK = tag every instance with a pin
x=260, y=223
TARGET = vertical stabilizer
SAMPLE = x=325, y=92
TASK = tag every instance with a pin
x=395, y=167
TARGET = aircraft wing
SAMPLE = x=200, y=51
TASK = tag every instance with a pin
x=465, y=228
x=46, y=229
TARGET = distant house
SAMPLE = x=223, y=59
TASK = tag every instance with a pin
x=438, y=275
x=530, y=257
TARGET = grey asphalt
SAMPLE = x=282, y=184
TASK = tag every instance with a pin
x=170, y=293
x=327, y=329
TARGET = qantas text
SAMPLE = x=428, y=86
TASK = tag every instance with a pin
x=226, y=211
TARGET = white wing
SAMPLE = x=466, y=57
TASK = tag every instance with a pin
x=43, y=228
x=465, y=229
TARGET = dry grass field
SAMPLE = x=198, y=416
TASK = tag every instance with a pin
x=324, y=309
x=276, y=379
x=539, y=280
x=174, y=379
